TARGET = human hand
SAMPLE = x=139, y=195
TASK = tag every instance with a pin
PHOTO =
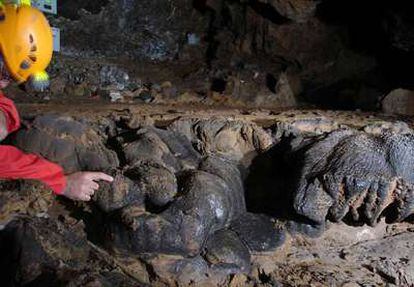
x=82, y=185
x=3, y=126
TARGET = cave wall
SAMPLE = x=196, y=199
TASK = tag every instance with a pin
x=142, y=29
x=279, y=53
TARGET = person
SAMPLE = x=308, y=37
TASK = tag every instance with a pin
x=26, y=48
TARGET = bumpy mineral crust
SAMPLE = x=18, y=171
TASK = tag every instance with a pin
x=177, y=191
x=72, y=144
x=357, y=176
x=177, y=211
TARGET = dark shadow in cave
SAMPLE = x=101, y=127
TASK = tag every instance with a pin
x=373, y=30
x=218, y=85
x=10, y=250
x=201, y=6
x=270, y=183
x=7, y=259
x=347, y=94
x=268, y=12
x=364, y=33
x=94, y=220
x=210, y=38
x=271, y=82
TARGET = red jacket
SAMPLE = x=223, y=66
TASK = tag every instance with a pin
x=14, y=164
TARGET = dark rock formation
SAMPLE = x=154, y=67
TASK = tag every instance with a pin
x=225, y=249
x=210, y=199
x=236, y=140
x=149, y=30
x=165, y=147
x=72, y=144
x=46, y=252
x=358, y=177
x=269, y=238
x=32, y=259
x=177, y=211
x=167, y=198
x=118, y=194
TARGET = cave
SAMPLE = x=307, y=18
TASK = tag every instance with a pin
x=250, y=143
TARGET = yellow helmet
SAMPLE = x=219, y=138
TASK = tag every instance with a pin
x=26, y=43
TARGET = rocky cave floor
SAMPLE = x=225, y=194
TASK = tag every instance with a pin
x=213, y=197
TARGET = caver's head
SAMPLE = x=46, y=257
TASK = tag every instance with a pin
x=26, y=45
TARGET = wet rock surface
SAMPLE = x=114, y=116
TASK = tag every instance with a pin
x=225, y=201
x=225, y=250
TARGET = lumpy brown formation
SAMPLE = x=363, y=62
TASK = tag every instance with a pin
x=189, y=198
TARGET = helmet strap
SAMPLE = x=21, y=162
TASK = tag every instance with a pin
x=4, y=73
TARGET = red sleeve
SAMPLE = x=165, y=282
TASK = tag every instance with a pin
x=12, y=116
x=14, y=164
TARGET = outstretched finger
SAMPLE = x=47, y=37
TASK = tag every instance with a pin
x=96, y=176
